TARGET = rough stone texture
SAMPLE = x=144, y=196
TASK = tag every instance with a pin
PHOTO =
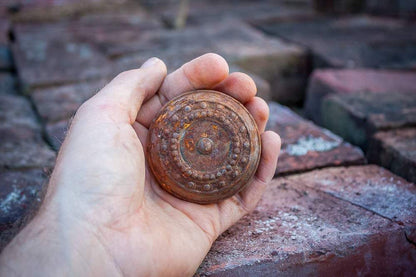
x=329, y=81
x=284, y=66
x=352, y=42
x=205, y=12
x=306, y=146
x=371, y=187
x=62, y=102
x=7, y=84
x=297, y=230
x=46, y=54
x=17, y=119
x=56, y=132
x=356, y=116
x=5, y=56
x=395, y=150
x=339, y=6
x=402, y=8
x=21, y=193
x=21, y=144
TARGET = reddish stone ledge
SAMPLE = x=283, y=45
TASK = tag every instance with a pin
x=56, y=132
x=302, y=227
x=395, y=150
x=306, y=146
x=330, y=81
x=355, y=117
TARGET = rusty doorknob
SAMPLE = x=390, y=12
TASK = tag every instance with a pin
x=203, y=147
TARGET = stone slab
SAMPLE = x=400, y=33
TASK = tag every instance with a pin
x=402, y=8
x=7, y=84
x=329, y=81
x=371, y=187
x=395, y=150
x=355, y=117
x=47, y=54
x=20, y=196
x=298, y=230
x=57, y=103
x=306, y=146
x=351, y=42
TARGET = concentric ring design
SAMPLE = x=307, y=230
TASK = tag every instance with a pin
x=203, y=147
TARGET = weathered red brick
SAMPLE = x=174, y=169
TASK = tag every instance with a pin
x=47, y=54
x=402, y=8
x=5, y=55
x=371, y=187
x=355, y=117
x=17, y=119
x=61, y=102
x=20, y=196
x=306, y=146
x=56, y=132
x=329, y=81
x=283, y=65
x=395, y=150
x=205, y=12
x=351, y=42
x=7, y=84
x=298, y=230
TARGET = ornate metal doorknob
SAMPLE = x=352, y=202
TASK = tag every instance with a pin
x=204, y=146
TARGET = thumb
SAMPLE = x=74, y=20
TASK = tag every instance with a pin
x=124, y=95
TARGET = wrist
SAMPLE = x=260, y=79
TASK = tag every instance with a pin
x=52, y=244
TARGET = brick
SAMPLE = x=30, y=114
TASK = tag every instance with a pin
x=297, y=230
x=56, y=132
x=26, y=154
x=371, y=187
x=330, y=81
x=5, y=55
x=352, y=42
x=17, y=119
x=355, y=117
x=339, y=6
x=7, y=84
x=205, y=12
x=57, y=103
x=283, y=65
x=395, y=150
x=47, y=54
x=402, y=8
x=20, y=196
x=306, y=146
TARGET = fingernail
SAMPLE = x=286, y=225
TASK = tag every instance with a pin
x=150, y=62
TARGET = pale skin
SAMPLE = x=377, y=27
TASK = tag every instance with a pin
x=104, y=214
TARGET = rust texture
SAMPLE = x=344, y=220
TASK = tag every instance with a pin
x=204, y=146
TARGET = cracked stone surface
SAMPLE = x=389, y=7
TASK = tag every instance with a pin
x=306, y=146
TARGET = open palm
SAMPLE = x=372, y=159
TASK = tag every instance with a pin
x=102, y=196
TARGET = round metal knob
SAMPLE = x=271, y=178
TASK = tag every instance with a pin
x=204, y=146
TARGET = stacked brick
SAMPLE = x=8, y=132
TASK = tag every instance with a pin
x=327, y=212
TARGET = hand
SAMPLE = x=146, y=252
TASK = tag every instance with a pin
x=104, y=213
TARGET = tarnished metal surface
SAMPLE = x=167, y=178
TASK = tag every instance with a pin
x=204, y=146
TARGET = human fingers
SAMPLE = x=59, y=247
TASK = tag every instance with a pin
x=232, y=209
x=122, y=98
x=203, y=72
x=238, y=85
x=259, y=109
